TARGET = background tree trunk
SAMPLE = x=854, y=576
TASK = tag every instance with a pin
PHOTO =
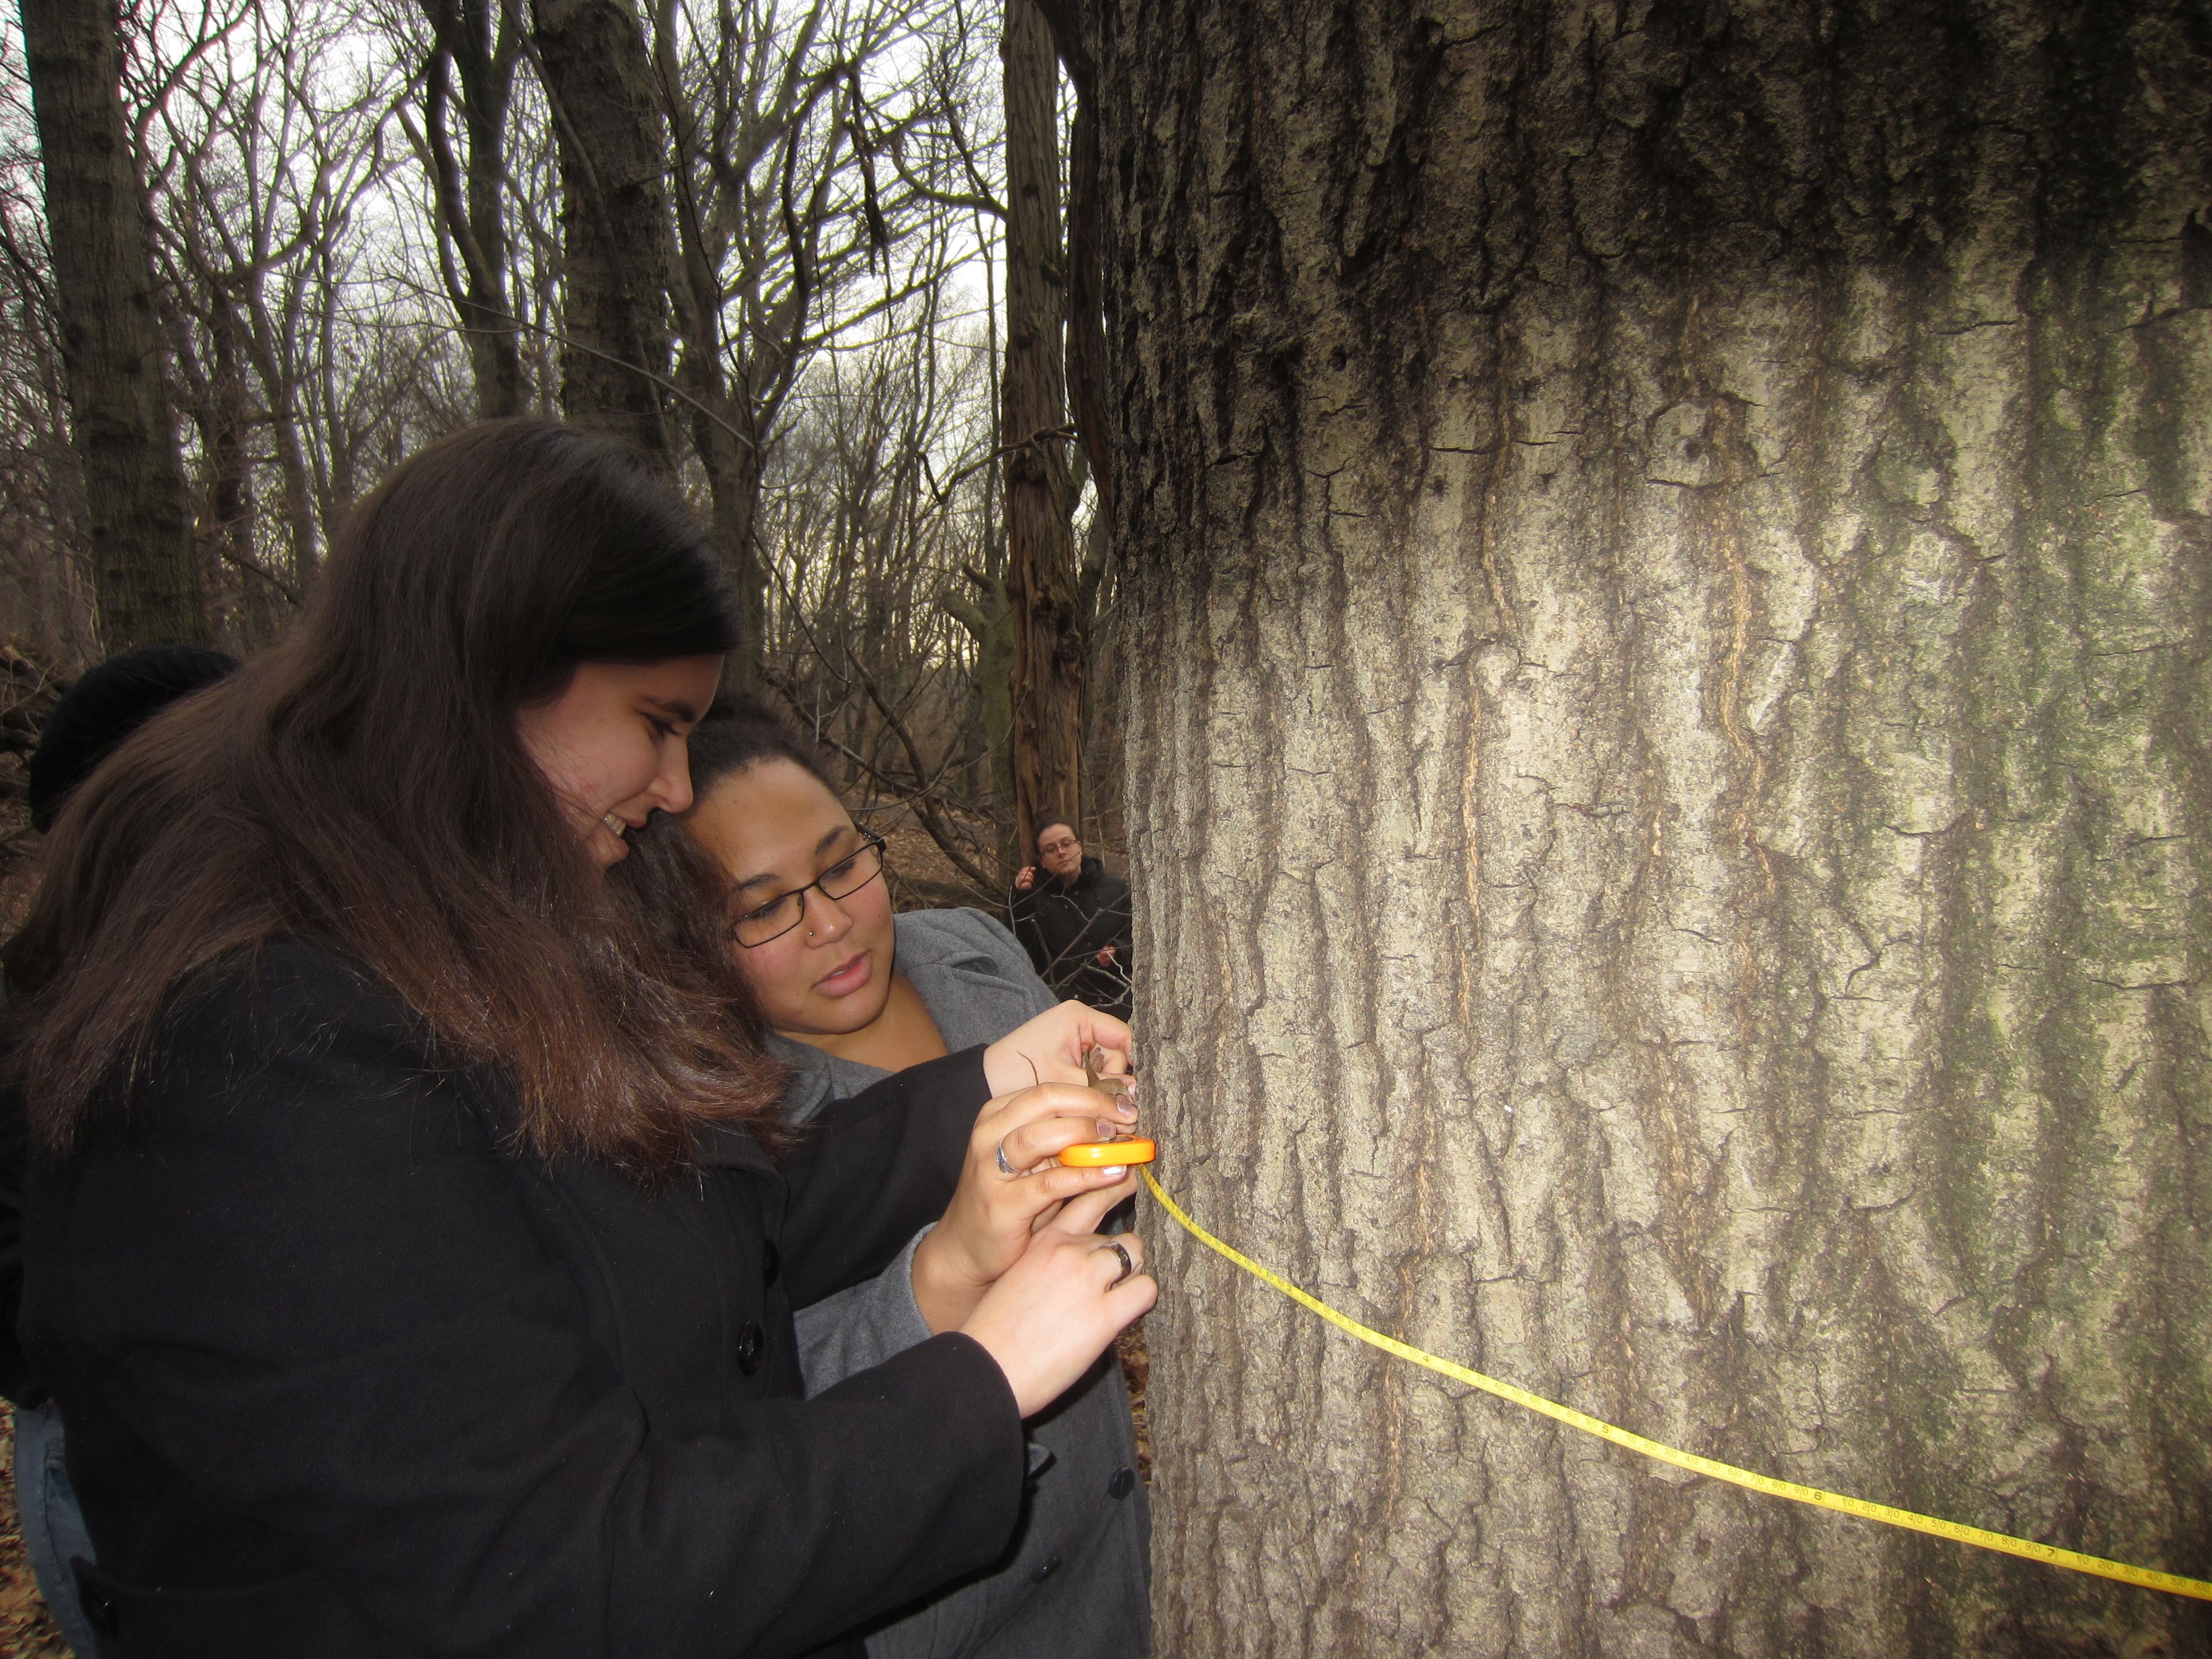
x=1670, y=788
x=615, y=233
x=1087, y=398
x=481, y=44
x=1046, y=746
x=146, y=573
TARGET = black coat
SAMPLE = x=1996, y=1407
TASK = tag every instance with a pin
x=1064, y=928
x=344, y=1373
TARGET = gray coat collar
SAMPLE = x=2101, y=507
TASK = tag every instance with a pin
x=974, y=979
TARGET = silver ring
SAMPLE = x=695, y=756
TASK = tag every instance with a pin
x=1128, y=1266
x=1004, y=1168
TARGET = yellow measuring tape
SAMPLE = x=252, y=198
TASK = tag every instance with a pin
x=2003, y=1542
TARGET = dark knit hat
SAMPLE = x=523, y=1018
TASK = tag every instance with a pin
x=107, y=705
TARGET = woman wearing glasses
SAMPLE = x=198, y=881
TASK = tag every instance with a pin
x=852, y=993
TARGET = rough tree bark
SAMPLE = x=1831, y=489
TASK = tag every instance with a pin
x=1670, y=791
x=1086, y=322
x=615, y=237
x=146, y=573
x=1046, y=745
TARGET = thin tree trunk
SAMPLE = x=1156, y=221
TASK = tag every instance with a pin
x=469, y=193
x=615, y=355
x=731, y=462
x=294, y=471
x=733, y=487
x=1670, y=786
x=145, y=569
x=226, y=529
x=1046, y=746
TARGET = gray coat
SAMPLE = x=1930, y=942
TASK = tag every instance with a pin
x=1076, y=1583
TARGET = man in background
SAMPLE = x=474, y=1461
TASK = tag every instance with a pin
x=1075, y=920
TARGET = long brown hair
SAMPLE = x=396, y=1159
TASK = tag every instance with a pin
x=363, y=783
x=666, y=873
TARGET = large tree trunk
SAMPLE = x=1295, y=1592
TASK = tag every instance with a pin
x=146, y=572
x=1670, y=800
x=1046, y=746
x=615, y=229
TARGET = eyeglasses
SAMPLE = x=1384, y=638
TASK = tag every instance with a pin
x=766, y=922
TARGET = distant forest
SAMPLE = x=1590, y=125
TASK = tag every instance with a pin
x=768, y=243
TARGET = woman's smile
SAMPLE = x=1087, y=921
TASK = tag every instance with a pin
x=848, y=976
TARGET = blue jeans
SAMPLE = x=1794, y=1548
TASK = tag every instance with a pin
x=54, y=1526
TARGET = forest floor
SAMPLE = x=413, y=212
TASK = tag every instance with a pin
x=26, y=1631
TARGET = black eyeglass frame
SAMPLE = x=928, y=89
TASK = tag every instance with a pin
x=869, y=839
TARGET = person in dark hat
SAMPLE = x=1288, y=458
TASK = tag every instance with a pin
x=106, y=706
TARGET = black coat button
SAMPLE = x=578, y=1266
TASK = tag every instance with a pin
x=1123, y=1483
x=772, y=1260
x=1045, y=1572
x=751, y=1342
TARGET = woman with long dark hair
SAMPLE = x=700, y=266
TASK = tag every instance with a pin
x=408, y=1248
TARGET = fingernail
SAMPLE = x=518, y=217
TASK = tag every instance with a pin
x=1112, y=1176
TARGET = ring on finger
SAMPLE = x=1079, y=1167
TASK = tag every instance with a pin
x=1129, y=1262
x=1004, y=1168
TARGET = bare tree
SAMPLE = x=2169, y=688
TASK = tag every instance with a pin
x=146, y=572
x=1047, y=753
x=866, y=544
x=479, y=43
x=265, y=140
x=806, y=146
x=46, y=604
x=616, y=239
x=1087, y=397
